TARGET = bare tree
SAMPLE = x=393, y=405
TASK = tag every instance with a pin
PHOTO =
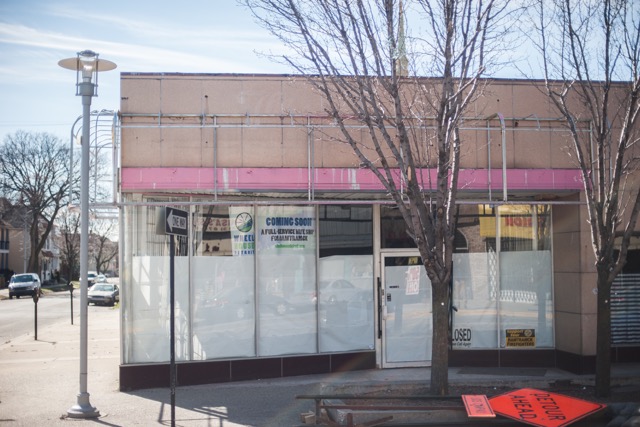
x=101, y=248
x=591, y=52
x=35, y=175
x=356, y=54
x=69, y=243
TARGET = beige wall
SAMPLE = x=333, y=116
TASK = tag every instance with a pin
x=16, y=255
x=574, y=281
x=261, y=122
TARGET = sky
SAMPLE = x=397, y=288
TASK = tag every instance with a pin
x=185, y=36
x=199, y=36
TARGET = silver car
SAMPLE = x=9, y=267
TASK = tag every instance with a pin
x=104, y=293
x=23, y=284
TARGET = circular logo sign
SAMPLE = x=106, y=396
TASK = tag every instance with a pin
x=244, y=222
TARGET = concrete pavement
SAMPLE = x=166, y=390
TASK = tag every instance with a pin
x=39, y=381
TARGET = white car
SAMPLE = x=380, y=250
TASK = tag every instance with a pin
x=91, y=278
x=23, y=284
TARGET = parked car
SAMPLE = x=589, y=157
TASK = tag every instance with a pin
x=101, y=278
x=104, y=294
x=91, y=278
x=341, y=290
x=231, y=304
x=275, y=303
x=24, y=284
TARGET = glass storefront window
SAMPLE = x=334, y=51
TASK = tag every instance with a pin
x=525, y=298
x=394, y=229
x=247, y=282
x=475, y=279
x=286, y=280
x=275, y=280
x=345, y=278
x=502, y=288
x=146, y=272
x=222, y=272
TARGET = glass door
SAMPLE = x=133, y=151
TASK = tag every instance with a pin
x=406, y=311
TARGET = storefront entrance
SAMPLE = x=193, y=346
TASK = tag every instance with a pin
x=406, y=323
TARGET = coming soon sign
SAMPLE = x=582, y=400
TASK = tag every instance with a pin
x=541, y=408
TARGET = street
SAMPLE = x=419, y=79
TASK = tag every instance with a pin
x=39, y=379
x=17, y=315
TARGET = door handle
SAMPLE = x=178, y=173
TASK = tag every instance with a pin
x=380, y=309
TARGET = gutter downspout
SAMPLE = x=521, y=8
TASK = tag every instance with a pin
x=503, y=131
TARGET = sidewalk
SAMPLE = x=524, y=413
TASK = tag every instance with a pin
x=39, y=381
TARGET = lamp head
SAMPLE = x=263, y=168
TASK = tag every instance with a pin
x=87, y=65
x=87, y=61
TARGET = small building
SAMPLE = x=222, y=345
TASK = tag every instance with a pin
x=296, y=262
x=15, y=245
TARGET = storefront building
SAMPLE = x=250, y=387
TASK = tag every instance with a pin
x=297, y=263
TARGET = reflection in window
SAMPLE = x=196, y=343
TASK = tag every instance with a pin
x=222, y=284
x=345, y=230
x=408, y=327
x=508, y=273
x=475, y=279
x=286, y=263
x=345, y=274
x=212, y=231
x=526, y=313
x=146, y=275
x=393, y=229
x=524, y=227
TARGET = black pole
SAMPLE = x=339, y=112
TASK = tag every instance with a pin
x=71, y=298
x=35, y=312
x=172, y=320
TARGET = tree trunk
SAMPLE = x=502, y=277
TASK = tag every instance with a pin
x=33, y=260
x=603, y=331
x=440, y=342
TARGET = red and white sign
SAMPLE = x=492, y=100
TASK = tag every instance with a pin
x=413, y=280
x=477, y=406
x=541, y=408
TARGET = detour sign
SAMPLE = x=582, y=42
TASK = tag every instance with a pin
x=541, y=408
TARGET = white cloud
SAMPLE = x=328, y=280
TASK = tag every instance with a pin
x=199, y=36
x=130, y=56
x=167, y=31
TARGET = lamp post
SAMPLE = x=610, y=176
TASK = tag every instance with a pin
x=87, y=65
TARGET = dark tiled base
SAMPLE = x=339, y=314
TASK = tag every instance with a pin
x=135, y=377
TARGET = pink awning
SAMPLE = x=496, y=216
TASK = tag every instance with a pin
x=333, y=179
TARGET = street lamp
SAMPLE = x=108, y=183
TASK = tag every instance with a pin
x=87, y=66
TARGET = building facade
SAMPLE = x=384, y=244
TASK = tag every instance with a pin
x=15, y=245
x=295, y=261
